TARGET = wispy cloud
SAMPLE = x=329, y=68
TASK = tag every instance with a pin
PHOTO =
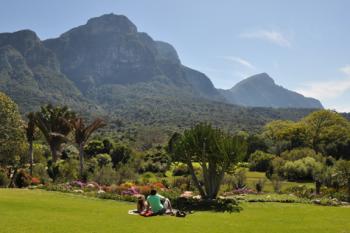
x=240, y=61
x=346, y=70
x=268, y=35
x=325, y=90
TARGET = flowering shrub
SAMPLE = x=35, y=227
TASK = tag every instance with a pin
x=130, y=191
x=35, y=181
x=240, y=191
x=158, y=185
x=128, y=184
x=144, y=190
x=78, y=184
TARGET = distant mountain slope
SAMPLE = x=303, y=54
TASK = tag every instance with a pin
x=261, y=91
x=30, y=73
x=106, y=67
x=108, y=50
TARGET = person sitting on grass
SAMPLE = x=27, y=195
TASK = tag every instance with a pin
x=158, y=203
x=141, y=204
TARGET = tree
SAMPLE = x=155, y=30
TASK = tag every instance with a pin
x=12, y=135
x=54, y=123
x=324, y=128
x=215, y=151
x=30, y=133
x=120, y=154
x=282, y=135
x=260, y=161
x=342, y=171
x=82, y=134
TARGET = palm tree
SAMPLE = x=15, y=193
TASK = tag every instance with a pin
x=82, y=134
x=30, y=133
x=54, y=123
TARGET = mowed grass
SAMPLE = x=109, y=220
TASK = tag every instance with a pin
x=40, y=211
x=253, y=177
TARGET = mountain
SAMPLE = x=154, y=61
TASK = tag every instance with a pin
x=30, y=73
x=108, y=68
x=260, y=90
x=108, y=51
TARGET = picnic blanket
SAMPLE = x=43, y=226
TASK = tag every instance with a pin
x=135, y=212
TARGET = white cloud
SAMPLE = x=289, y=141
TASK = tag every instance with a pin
x=240, y=61
x=326, y=90
x=268, y=35
x=346, y=70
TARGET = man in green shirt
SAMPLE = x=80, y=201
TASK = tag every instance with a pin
x=158, y=203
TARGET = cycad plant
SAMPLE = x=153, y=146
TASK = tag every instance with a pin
x=55, y=125
x=82, y=134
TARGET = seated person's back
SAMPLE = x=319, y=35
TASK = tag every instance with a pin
x=155, y=202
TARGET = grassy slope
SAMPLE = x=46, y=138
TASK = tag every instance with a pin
x=40, y=211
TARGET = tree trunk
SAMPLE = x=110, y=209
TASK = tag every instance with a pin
x=318, y=187
x=13, y=176
x=218, y=184
x=81, y=159
x=195, y=179
x=31, y=157
x=53, y=153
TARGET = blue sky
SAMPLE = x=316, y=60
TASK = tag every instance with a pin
x=303, y=44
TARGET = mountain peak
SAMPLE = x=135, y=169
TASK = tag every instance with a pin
x=257, y=79
x=111, y=22
x=260, y=90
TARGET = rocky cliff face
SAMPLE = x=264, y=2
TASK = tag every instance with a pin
x=30, y=73
x=261, y=91
x=109, y=50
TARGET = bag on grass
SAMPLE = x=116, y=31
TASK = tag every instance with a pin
x=180, y=214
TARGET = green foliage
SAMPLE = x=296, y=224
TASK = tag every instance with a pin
x=276, y=183
x=103, y=160
x=105, y=175
x=260, y=161
x=301, y=169
x=124, y=173
x=215, y=151
x=54, y=124
x=40, y=171
x=326, y=131
x=156, y=161
x=342, y=174
x=94, y=147
x=68, y=170
x=218, y=205
x=259, y=185
x=300, y=153
x=239, y=178
x=301, y=191
x=22, y=179
x=12, y=135
x=120, y=154
x=4, y=180
x=181, y=170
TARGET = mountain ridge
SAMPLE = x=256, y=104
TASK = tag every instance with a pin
x=260, y=90
x=107, y=67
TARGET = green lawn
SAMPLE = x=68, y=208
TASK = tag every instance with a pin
x=49, y=212
x=253, y=177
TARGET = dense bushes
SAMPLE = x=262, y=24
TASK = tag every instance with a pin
x=220, y=205
x=260, y=161
x=4, y=180
x=22, y=179
x=301, y=169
